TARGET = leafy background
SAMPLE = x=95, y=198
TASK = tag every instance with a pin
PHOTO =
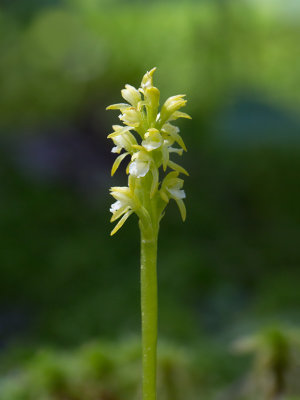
x=231, y=270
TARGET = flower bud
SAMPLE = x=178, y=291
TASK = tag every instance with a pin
x=171, y=105
x=131, y=94
x=151, y=95
x=147, y=79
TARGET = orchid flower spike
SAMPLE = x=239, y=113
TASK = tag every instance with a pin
x=149, y=139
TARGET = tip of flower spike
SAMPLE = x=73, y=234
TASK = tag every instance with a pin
x=151, y=72
x=147, y=78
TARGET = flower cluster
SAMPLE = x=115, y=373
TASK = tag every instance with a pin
x=145, y=195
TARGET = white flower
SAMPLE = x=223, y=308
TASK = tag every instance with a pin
x=176, y=193
x=171, y=131
x=153, y=139
x=123, y=207
x=171, y=188
x=139, y=168
x=115, y=206
x=123, y=141
x=120, y=143
x=140, y=164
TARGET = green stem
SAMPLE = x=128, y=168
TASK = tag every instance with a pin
x=149, y=311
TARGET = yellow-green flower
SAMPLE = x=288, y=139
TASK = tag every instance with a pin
x=152, y=139
x=150, y=149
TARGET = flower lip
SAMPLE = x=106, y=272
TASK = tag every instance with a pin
x=177, y=193
x=153, y=139
x=139, y=168
x=115, y=206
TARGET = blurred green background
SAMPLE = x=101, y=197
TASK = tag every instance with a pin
x=69, y=298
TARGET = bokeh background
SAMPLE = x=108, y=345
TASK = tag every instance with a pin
x=69, y=293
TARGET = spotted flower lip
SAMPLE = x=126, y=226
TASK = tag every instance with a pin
x=149, y=140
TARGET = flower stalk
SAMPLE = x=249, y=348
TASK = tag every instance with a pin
x=150, y=149
x=149, y=313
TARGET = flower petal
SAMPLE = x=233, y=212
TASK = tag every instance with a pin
x=116, y=149
x=182, y=209
x=119, y=213
x=153, y=139
x=173, y=132
x=164, y=196
x=115, y=206
x=179, y=114
x=121, y=222
x=118, y=130
x=131, y=117
x=122, y=193
x=150, y=145
x=177, y=193
x=139, y=168
x=131, y=94
x=177, y=167
x=117, y=162
x=165, y=156
x=174, y=150
x=148, y=78
x=118, y=106
x=154, y=185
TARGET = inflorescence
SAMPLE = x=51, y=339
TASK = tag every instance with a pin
x=148, y=151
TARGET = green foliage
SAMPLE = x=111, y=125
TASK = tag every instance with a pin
x=98, y=371
x=81, y=52
x=111, y=370
x=238, y=255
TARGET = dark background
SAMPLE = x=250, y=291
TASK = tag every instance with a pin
x=233, y=267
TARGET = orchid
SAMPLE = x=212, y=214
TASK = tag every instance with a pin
x=150, y=140
x=158, y=139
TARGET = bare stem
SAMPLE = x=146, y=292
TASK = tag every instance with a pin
x=149, y=312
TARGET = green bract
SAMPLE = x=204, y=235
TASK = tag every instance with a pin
x=150, y=150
